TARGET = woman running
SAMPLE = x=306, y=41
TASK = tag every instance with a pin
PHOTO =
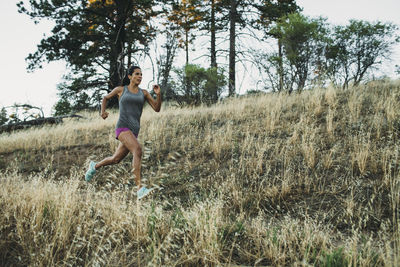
x=131, y=100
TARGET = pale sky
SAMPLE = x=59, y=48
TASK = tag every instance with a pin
x=20, y=37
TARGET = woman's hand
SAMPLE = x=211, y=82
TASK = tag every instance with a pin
x=104, y=115
x=156, y=89
x=154, y=103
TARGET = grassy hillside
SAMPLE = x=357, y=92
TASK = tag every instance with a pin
x=268, y=180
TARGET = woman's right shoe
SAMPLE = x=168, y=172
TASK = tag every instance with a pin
x=142, y=192
x=91, y=171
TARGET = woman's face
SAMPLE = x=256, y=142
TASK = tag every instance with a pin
x=136, y=77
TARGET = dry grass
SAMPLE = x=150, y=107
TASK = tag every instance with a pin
x=268, y=180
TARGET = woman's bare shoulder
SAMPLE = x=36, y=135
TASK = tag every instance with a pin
x=119, y=88
x=116, y=91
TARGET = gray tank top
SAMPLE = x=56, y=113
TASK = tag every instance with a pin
x=130, y=110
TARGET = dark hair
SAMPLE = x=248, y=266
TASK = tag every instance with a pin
x=125, y=80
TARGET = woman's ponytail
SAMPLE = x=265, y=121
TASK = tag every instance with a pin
x=125, y=80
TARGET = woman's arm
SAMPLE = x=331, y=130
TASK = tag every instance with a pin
x=154, y=103
x=114, y=92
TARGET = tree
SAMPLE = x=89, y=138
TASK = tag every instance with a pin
x=270, y=12
x=213, y=38
x=213, y=21
x=214, y=85
x=236, y=11
x=203, y=83
x=165, y=62
x=63, y=107
x=304, y=42
x=186, y=14
x=250, y=15
x=279, y=74
x=233, y=18
x=357, y=48
x=94, y=37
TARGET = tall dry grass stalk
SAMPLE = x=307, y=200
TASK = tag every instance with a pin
x=269, y=180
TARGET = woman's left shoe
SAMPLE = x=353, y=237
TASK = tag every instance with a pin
x=143, y=191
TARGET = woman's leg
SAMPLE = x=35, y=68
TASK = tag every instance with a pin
x=131, y=143
x=119, y=154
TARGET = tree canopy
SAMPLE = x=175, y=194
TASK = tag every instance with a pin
x=96, y=38
x=357, y=48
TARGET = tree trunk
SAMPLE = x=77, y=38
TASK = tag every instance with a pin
x=118, y=44
x=187, y=46
x=117, y=49
x=232, y=48
x=303, y=74
x=129, y=55
x=188, y=88
x=213, y=36
x=167, y=65
x=280, y=68
x=213, y=48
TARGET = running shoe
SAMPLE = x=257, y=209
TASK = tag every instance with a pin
x=91, y=171
x=143, y=191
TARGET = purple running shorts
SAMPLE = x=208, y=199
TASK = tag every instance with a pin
x=118, y=131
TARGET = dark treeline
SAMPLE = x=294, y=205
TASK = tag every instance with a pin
x=99, y=39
